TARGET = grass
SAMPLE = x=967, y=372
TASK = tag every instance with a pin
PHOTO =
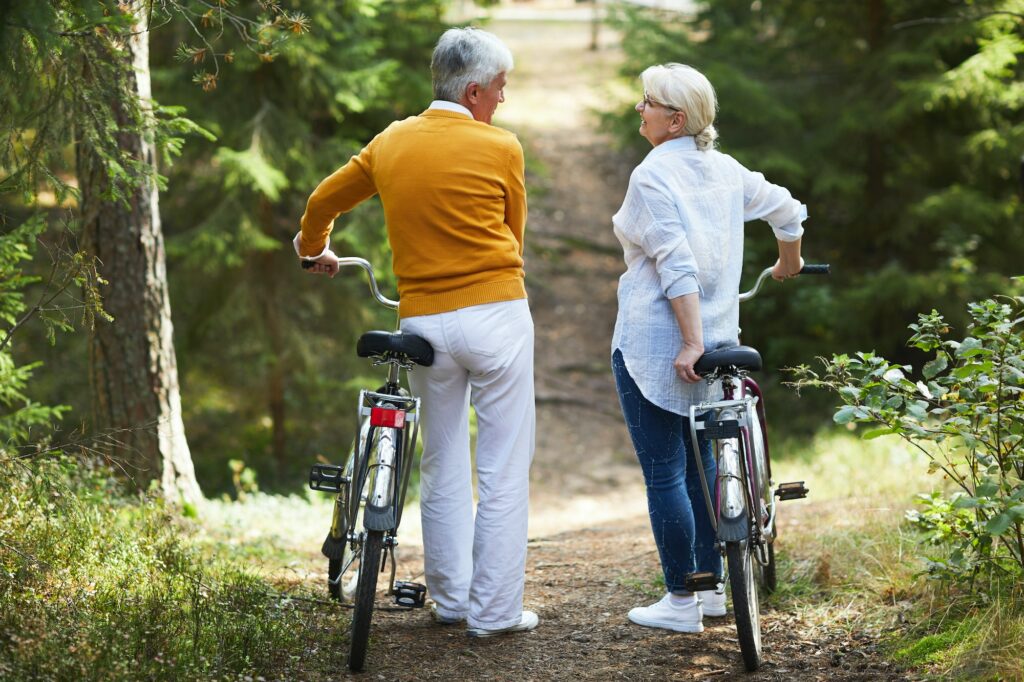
x=849, y=561
x=96, y=584
x=856, y=563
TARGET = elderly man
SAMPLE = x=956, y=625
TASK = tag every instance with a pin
x=455, y=203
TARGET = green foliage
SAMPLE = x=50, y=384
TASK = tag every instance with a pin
x=898, y=122
x=95, y=585
x=966, y=413
x=71, y=273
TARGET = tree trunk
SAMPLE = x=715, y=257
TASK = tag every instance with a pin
x=132, y=365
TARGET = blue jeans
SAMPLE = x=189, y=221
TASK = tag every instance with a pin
x=675, y=499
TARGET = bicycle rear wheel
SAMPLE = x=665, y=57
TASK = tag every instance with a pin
x=366, y=592
x=744, y=601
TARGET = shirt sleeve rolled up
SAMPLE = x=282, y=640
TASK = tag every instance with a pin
x=764, y=201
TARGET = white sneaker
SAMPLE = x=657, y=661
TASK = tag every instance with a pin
x=443, y=620
x=713, y=601
x=669, y=616
x=528, y=622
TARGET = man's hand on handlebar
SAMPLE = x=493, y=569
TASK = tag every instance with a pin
x=327, y=264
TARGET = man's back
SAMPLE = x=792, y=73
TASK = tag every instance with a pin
x=454, y=202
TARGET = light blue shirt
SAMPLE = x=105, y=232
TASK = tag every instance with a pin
x=681, y=229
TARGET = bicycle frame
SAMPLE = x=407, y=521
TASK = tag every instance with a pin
x=743, y=484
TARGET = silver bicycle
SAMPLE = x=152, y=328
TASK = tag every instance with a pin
x=371, y=483
x=741, y=500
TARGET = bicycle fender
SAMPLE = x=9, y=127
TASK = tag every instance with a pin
x=733, y=530
x=379, y=518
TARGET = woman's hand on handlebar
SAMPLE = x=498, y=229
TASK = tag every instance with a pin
x=327, y=264
x=782, y=271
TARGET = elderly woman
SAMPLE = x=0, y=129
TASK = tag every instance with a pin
x=681, y=228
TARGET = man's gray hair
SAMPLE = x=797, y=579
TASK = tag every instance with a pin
x=464, y=56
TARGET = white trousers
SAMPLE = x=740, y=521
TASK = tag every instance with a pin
x=482, y=354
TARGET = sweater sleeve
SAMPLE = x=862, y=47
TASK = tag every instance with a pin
x=338, y=193
x=515, y=194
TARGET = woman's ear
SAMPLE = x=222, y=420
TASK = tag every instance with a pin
x=678, y=122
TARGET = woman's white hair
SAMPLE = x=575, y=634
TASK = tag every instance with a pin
x=688, y=90
x=464, y=56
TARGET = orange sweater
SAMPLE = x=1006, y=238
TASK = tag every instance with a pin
x=455, y=204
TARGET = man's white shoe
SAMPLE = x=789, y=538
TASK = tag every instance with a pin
x=443, y=620
x=713, y=601
x=528, y=622
x=670, y=615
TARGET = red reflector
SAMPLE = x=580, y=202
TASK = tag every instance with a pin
x=381, y=416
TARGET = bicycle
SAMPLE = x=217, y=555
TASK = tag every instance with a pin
x=742, y=505
x=371, y=484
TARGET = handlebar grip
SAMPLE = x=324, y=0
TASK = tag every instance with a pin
x=816, y=269
x=307, y=264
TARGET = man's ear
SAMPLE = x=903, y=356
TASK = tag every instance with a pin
x=473, y=92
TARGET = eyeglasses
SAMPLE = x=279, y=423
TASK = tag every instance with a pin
x=648, y=102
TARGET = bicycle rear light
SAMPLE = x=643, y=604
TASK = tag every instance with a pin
x=383, y=416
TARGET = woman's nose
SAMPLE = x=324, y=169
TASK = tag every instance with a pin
x=639, y=107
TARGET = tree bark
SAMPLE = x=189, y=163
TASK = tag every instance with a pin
x=132, y=364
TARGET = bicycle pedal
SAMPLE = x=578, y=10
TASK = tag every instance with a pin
x=327, y=478
x=695, y=582
x=410, y=594
x=791, y=491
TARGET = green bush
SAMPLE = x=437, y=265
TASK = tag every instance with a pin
x=97, y=585
x=966, y=413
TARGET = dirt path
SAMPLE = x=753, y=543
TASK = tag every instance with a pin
x=591, y=557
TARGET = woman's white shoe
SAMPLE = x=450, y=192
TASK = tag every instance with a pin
x=669, y=615
x=713, y=601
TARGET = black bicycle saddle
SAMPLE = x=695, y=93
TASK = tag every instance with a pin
x=740, y=357
x=379, y=344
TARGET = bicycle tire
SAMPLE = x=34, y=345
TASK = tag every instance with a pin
x=769, y=578
x=366, y=592
x=744, y=601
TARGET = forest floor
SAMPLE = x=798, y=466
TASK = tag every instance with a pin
x=591, y=556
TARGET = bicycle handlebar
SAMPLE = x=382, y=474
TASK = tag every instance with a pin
x=365, y=265
x=815, y=269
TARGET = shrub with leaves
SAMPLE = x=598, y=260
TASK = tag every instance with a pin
x=966, y=413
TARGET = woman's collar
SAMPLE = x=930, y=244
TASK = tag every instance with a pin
x=685, y=143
